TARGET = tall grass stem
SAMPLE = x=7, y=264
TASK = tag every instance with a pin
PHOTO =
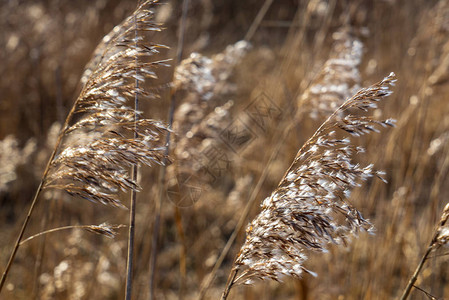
x=132, y=211
x=171, y=113
x=34, y=201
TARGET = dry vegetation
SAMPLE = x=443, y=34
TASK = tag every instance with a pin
x=256, y=79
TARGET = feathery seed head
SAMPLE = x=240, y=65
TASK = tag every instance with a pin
x=115, y=137
x=303, y=212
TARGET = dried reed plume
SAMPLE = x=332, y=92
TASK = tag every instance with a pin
x=103, y=137
x=201, y=82
x=98, y=168
x=338, y=79
x=204, y=76
x=310, y=207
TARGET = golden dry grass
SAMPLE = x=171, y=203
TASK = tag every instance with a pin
x=231, y=153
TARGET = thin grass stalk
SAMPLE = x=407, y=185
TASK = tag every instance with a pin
x=260, y=15
x=155, y=236
x=131, y=234
x=22, y=231
x=414, y=277
x=159, y=202
x=34, y=201
x=132, y=211
x=39, y=258
x=182, y=254
x=178, y=218
x=229, y=284
x=154, y=239
x=86, y=227
x=323, y=32
x=430, y=296
x=437, y=241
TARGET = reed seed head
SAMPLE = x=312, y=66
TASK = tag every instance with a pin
x=105, y=135
x=310, y=208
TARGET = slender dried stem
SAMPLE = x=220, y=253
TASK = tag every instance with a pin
x=229, y=284
x=437, y=240
x=132, y=211
x=20, y=236
x=33, y=203
x=86, y=227
x=414, y=277
x=40, y=257
x=171, y=113
x=36, y=197
x=155, y=238
x=263, y=10
x=430, y=296
x=131, y=234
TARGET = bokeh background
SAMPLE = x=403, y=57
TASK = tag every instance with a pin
x=243, y=109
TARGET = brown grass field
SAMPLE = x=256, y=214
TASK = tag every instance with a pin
x=247, y=84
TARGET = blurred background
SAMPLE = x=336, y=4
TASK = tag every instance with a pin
x=256, y=80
